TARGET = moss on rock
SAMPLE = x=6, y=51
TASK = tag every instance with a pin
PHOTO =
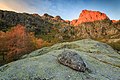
x=43, y=63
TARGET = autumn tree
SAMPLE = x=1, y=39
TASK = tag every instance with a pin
x=3, y=45
x=17, y=42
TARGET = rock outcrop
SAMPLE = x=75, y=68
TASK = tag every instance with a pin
x=90, y=16
x=47, y=16
x=72, y=60
x=115, y=21
x=102, y=61
x=73, y=22
x=57, y=18
x=67, y=21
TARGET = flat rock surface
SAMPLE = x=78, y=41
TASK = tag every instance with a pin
x=101, y=59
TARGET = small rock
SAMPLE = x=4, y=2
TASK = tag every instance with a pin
x=72, y=60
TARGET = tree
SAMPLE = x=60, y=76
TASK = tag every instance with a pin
x=17, y=42
x=3, y=44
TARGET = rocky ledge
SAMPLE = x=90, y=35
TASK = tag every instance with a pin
x=102, y=61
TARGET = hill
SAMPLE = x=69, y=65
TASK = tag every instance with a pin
x=90, y=24
x=102, y=61
x=46, y=30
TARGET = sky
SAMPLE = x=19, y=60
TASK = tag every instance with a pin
x=67, y=9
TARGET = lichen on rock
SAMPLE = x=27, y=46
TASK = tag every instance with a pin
x=72, y=60
x=43, y=64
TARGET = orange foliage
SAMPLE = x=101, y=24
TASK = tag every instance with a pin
x=37, y=41
x=3, y=44
x=17, y=42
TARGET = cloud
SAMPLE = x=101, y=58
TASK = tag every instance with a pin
x=4, y=7
x=29, y=6
x=17, y=5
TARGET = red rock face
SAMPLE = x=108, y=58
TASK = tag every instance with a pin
x=67, y=21
x=115, y=21
x=73, y=22
x=89, y=16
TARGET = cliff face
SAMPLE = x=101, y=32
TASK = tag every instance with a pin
x=90, y=16
x=73, y=22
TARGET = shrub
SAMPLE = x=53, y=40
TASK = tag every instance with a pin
x=115, y=45
x=17, y=42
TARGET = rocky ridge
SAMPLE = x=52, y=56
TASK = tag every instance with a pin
x=91, y=24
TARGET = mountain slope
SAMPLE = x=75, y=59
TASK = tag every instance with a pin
x=95, y=24
x=33, y=22
x=102, y=61
x=98, y=29
x=91, y=24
